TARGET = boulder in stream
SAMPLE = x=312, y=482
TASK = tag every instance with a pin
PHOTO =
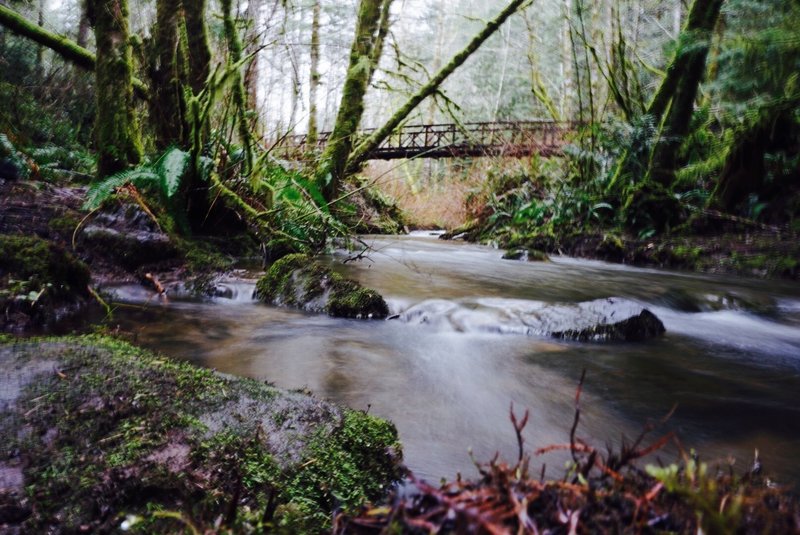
x=297, y=280
x=634, y=329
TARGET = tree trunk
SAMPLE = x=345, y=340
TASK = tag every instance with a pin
x=251, y=75
x=239, y=98
x=167, y=107
x=334, y=160
x=692, y=48
x=314, y=77
x=40, y=48
x=116, y=129
x=199, y=51
x=83, y=26
x=677, y=123
x=361, y=152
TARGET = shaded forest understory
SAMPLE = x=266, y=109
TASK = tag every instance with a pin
x=133, y=149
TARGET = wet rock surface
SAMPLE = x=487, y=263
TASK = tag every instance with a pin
x=601, y=320
x=102, y=431
x=634, y=329
x=130, y=236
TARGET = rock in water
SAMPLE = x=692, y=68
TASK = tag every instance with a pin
x=634, y=329
x=298, y=281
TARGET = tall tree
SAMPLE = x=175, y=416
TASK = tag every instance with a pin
x=116, y=128
x=167, y=107
x=692, y=67
x=362, y=56
x=314, y=76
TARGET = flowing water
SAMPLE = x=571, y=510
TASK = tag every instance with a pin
x=471, y=338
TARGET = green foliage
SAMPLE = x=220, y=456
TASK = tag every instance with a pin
x=10, y=156
x=163, y=177
x=300, y=216
x=693, y=482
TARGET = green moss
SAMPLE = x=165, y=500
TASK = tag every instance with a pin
x=275, y=285
x=297, y=280
x=341, y=469
x=611, y=248
x=43, y=265
x=126, y=431
x=64, y=225
x=349, y=300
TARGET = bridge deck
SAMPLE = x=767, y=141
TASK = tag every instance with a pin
x=510, y=139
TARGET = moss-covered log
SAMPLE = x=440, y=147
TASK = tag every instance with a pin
x=116, y=127
x=66, y=48
x=360, y=153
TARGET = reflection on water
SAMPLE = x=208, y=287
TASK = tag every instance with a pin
x=730, y=359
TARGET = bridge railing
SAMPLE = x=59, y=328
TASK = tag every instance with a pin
x=512, y=138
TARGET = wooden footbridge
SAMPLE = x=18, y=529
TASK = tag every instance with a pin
x=510, y=139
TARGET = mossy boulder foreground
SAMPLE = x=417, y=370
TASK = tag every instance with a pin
x=40, y=283
x=101, y=436
x=297, y=280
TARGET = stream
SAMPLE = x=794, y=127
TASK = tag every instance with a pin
x=471, y=339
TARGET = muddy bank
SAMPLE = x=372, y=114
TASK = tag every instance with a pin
x=99, y=433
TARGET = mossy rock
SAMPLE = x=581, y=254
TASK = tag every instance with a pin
x=40, y=282
x=297, y=280
x=43, y=263
x=100, y=433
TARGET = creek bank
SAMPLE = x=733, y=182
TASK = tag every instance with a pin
x=297, y=280
x=100, y=432
x=730, y=250
x=41, y=284
x=120, y=244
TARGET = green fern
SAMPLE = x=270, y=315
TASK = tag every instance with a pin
x=164, y=177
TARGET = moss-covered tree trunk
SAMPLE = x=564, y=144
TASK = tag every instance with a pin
x=67, y=49
x=167, y=109
x=199, y=50
x=677, y=122
x=116, y=128
x=314, y=77
x=682, y=73
x=334, y=160
x=238, y=93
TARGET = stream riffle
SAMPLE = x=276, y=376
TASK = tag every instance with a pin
x=471, y=339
